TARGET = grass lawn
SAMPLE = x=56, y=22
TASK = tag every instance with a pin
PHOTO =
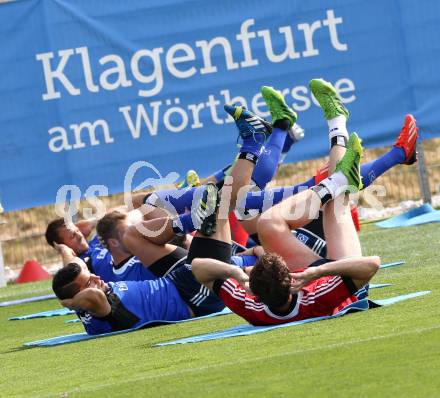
x=392, y=351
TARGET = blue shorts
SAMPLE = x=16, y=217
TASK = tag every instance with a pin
x=199, y=298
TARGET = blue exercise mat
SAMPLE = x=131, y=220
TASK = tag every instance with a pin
x=76, y=320
x=44, y=314
x=240, y=330
x=27, y=300
x=420, y=215
x=245, y=330
x=393, y=264
x=73, y=338
x=379, y=285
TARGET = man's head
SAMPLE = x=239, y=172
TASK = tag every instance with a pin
x=58, y=231
x=73, y=278
x=270, y=280
x=111, y=229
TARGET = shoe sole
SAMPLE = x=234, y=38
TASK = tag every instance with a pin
x=209, y=223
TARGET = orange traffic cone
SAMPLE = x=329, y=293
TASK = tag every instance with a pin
x=32, y=271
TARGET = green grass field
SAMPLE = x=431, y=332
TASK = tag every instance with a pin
x=386, y=352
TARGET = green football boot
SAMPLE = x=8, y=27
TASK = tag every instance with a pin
x=350, y=164
x=277, y=106
x=328, y=98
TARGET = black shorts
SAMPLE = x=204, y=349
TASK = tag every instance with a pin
x=311, y=240
x=316, y=227
x=237, y=248
x=209, y=248
x=166, y=264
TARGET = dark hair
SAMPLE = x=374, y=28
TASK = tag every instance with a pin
x=52, y=231
x=62, y=282
x=270, y=280
x=106, y=227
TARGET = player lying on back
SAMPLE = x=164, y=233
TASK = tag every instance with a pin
x=105, y=307
x=277, y=289
x=145, y=257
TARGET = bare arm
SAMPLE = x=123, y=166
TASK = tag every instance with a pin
x=208, y=270
x=67, y=254
x=91, y=300
x=86, y=226
x=359, y=269
x=256, y=251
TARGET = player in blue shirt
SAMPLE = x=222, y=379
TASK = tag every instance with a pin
x=72, y=235
x=69, y=240
x=106, y=307
x=130, y=269
x=157, y=260
x=112, y=266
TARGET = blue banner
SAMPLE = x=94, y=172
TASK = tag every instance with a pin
x=90, y=87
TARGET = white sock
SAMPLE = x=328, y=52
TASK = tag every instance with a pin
x=335, y=183
x=337, y=127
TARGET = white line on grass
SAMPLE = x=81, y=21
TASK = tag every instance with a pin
x=243, y=361
x=11, y=295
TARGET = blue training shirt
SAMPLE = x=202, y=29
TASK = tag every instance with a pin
x=97, y=256
x=100, y=262
x=93, y=243
x=130, y=270
x=156, y=300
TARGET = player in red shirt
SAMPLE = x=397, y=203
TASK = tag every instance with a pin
x=277, y=290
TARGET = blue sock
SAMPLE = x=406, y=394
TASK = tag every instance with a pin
x=265, y=199
x=183, y=224
x=268, y=162
x=219, y=175
x=252, y=145
x=372, y=170
x=287, y=144
x=180, y=199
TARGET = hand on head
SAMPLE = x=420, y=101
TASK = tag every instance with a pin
x=240, y=276
x=68, y=303
x=62, y=248
x=301, y=279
